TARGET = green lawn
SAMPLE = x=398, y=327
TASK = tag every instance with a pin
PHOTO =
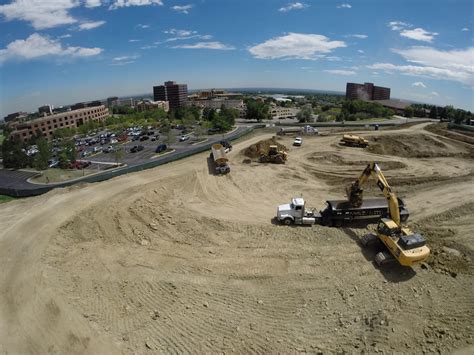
x=4, y=198
x=60, y=175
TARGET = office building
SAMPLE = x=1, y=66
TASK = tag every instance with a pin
x=45, y=110
x=48, y=124
x=367, y=92
x=146, y=105
x=175, y=94
x=15, y=116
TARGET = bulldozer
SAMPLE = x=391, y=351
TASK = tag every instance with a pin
x=274, y=156
x=351, y=140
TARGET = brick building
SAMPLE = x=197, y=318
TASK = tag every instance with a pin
x=367, y=92
x=48, y=124
x=175, y=94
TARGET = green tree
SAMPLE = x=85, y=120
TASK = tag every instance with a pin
x=305, y=114
x=63, y=160
x=118, y=154
x=44, y=154
x=409, y=111
x=257, y=110
x=170, y=137
x=434, y=112
x=14, y=156
x=69, y=148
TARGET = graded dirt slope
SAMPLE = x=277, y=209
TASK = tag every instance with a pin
x=177, y=260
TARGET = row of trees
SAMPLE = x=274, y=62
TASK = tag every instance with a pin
x=446, y=113
x=353, y=110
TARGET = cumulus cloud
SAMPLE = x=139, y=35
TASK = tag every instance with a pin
x=90, y=25
x=293, y=6
x=36, y=46
x=206, y=45
x=178, y=35
x=41, y=14
x=183, y=9
x=134, y=40
x=360, y=51
x=464, y=29
x=453, y=65
x=344, y=6
x=418, y=34
x=398, y=25
x=341, y=72
x=128, y=3
x=419, y=84
x=295, y=46
x=142, y=26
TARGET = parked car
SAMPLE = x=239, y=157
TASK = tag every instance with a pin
x=213, y=130
x=298, y=141
x=108, y=149
x=161, y=148
x=97, y=149
x=79, y=164
x=183, y=138
x=144, y=138
x=53, y=163
x=136, y=148
x=153, y=139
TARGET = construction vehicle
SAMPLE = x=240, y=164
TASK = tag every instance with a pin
x=306, y=130
x=219, y=156
x=351, y=140
x=401, y=243
x=297, y=213
x=274, y=156
x=339, y=212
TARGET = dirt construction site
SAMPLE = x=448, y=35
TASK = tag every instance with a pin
x=178, y=260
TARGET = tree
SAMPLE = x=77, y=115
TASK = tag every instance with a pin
x=69, y=148
x=257, y=110
x=409, y=111
x=118, y=154
x=13, y=153
x=434, y=112
x=305, y=114
x=44, y=154
x=170, y=137
x=63, y=160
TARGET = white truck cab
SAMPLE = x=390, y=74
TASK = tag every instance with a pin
x=296, y=212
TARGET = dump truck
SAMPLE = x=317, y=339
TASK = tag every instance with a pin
x=338, y=212
x=274, y=156
x=219, y=156
x=352, y=140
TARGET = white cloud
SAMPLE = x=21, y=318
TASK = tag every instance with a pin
x=398, y=25
x=341, y=72
x=123, y=60
x=184, y=34
x=127, y=3
x=360, y=51
x=293, y=6
x=148, y=47
x=90, y=25
x=464, y=29
x=434, y=93
x=419, y=84
x=36, y=46
x=41, y=14
x=65, y=36
x=134, y=40
x=344, y=6
x=453, y=65
x=295, y=46
x=183, y=9
x=418, y=34
x=142, y=26
x=360, y=36
x=93, y=3
x=206, y=45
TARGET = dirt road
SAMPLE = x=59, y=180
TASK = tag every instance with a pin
x=177, y=260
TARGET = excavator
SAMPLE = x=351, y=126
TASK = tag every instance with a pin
x=406, y=247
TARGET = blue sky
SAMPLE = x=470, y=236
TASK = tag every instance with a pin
x=66, y=51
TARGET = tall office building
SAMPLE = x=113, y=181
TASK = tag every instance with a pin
x=366, y=91
x=175, y=94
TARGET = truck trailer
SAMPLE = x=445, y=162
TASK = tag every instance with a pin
x=337, y=212
x=219, y=156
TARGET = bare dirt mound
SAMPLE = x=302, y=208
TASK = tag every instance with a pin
x=411, y=146
x=442, y=130
x=262, y=147
x=330, y=158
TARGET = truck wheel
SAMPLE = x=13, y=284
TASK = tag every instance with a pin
x=368, y=239
x=287, y=221
x=383, y=258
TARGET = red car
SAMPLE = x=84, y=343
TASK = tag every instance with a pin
x=79, y=164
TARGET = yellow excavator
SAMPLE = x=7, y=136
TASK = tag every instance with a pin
x=402, y=244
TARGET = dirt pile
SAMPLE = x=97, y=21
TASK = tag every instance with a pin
x=442, y=130
x=262, y=147
x=408, y=146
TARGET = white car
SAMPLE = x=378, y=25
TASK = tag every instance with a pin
x=298, y=141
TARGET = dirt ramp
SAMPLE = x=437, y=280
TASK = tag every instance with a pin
x=262, y=147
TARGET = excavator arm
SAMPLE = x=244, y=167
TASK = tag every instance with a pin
x=355, y=190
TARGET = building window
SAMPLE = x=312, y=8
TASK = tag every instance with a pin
x=61, y=124
x=55, y=126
